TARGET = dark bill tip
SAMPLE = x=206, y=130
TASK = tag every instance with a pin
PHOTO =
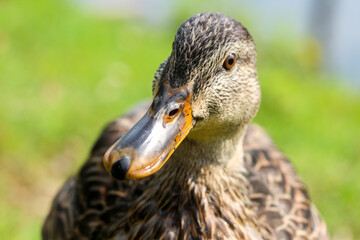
x=120, y=167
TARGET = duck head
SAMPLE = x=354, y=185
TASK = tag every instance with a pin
x=206, y=90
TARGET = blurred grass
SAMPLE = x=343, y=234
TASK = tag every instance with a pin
x=65, y=73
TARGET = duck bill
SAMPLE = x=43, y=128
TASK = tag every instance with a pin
x=150, y=143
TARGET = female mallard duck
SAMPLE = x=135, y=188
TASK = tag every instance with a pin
x=201, y=172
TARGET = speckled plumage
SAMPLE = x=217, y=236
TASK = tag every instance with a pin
x=226, y=180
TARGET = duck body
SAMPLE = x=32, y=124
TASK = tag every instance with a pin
x=216, y=178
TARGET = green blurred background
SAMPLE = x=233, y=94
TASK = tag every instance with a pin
x=66, y=70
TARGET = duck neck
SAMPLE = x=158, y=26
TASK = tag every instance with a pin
x=200, y=150
x=208, y=173
x=207, y=159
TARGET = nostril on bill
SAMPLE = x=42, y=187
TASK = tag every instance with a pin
x=120, y=167
x=173, y=112
x=174, y=109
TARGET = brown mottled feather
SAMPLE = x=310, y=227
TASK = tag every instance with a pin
x=94, y=206
x=278, y=195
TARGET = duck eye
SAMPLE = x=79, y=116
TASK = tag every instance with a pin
x=229, y=62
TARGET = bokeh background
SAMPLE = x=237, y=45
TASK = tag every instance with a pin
x=69, y=67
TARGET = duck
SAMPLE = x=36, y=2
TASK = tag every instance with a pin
x=190, y=165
